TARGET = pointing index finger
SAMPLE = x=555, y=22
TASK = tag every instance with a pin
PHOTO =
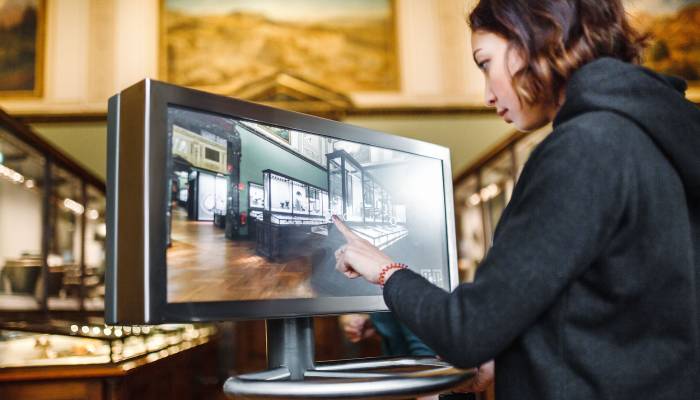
x=344, y=230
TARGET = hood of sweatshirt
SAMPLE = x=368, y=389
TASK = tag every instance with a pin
x=655, y=102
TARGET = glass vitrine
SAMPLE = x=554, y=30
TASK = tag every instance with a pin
x=51, y=226
x=256, y=196
x=525, y=146
x=353, y=193
x=280, y=189
x=22, y=187
x=94, y=254
x=483, y=191
x=301, y=199
x=66, y=217
x=57, y=342
x=368, y=191
x=315, y=203
x=335, y=184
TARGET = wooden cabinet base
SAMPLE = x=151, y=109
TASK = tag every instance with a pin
x=185, y=375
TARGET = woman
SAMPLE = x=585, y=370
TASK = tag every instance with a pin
x=590, y=290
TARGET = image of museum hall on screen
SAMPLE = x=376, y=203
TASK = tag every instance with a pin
x=250, y=210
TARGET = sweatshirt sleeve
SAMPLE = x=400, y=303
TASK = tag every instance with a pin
x=569, y=200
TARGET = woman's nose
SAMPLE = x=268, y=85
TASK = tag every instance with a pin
x=489, y=96
x=490, y=100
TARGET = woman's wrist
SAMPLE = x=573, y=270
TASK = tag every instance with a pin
x=388, y=271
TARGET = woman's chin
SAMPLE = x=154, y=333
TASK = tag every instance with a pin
x=529, y=126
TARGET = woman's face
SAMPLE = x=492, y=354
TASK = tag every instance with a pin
x=498, y=65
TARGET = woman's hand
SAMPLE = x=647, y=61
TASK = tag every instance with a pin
x=359, y=257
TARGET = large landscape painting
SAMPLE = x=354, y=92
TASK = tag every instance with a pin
x=21, y=42
x=222, y=45
x=674, y=26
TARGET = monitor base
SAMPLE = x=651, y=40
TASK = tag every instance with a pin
x=293, y=373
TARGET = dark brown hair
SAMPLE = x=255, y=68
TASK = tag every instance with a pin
x=556, y=37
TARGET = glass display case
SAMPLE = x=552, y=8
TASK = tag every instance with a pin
x=365, y=204
x=353, y=193
x=22, y=194
x=315, y=202
x=280, y=189
x=66, y=343
x=470, y=227
x=66, y=220
x=524, y=147
x=296, y=209
x=256, y=196
x=94, y=252
x=335, y=184
x=301, y=198
x=293, y=201
x=51, y=226
x=482, y=192
x=497, y=185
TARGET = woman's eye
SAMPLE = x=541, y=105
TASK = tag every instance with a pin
x=483, y=65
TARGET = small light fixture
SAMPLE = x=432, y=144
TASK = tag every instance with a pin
x=74, y=206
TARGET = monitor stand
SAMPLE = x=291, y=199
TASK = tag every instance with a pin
x=293, y=373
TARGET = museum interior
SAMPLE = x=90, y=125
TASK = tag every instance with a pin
x=402, y=67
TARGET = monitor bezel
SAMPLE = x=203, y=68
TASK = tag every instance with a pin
x=137, y=219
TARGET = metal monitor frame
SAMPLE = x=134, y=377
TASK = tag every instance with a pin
x=136, y=277
x=137, y=200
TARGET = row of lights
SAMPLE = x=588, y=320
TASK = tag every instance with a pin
x=117, y=331
x=79, y=209
x=485, y=194
x=70, y=204
x=11, y=174
x=15, y=176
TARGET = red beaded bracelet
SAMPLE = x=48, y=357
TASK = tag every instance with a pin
x=386, y=269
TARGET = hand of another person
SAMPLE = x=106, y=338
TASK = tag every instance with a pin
x=357, y=327
x=358, y=257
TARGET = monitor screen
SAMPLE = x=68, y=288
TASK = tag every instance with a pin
x=221, y=209
x=259, y=226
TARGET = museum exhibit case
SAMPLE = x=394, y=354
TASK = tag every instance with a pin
x=93, y=361
x=293, y=215
x=59, y=342
x=482, y=192
x=256, y=205
x=52, y=227
x=363, y=202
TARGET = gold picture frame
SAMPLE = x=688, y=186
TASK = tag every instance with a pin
x=674, y=46
x=22, y=64
x=221, y=47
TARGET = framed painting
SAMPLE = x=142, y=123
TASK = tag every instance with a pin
x=22, y=48
x=674, y=46
x=222, y=45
